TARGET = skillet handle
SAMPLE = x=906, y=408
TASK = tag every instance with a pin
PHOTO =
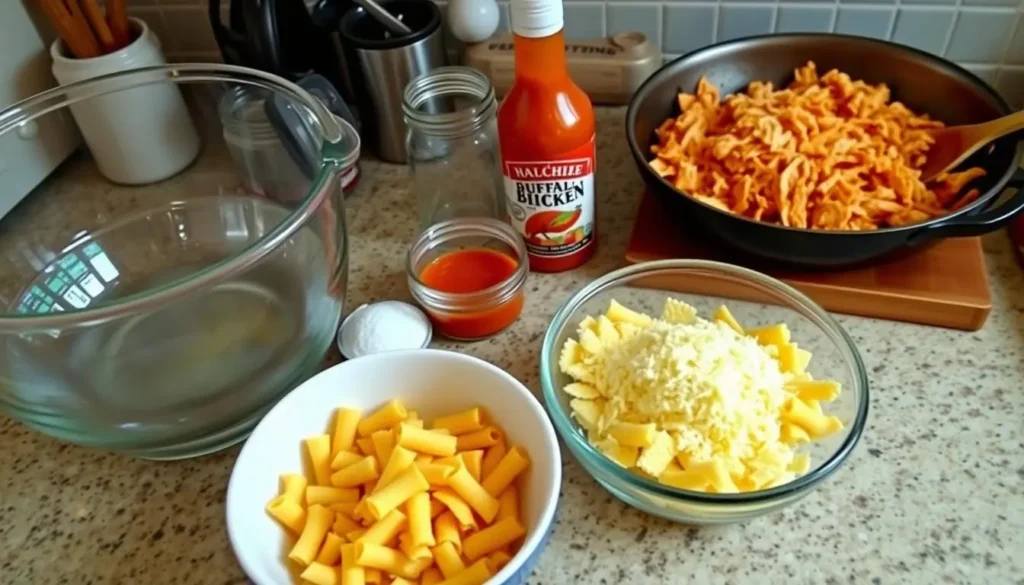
x=980, y=224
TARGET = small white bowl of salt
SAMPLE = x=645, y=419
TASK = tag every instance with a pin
x=383, y=326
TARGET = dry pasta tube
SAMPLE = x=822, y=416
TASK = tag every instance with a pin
x=356, y=474
x=460, y=423
x=320, y=574
x=473, y=460
x=293, y=486
x=514, y=463
x=477, y=574
x=351, y=572
x=370, y=486
x=330, y=552
x=386, y=559
x=287, y=512
x=401, y=581
x=436, y=508
x=365, y=446
x=345, y=422
x=343, y=459
x=492, y=538
x=457, y=506
x=431, y=576
x=408, y=483
x=384, y=530
x=474, y=494
x=436, y=474
x=485, y=437
x=383, y=443
x=346, y=508
x=491, y=459
x=384, y=417
x=416, y=553
x=319, y=450
x=318, y=522
x=374, y=577
x=451, y=461
x=497, y=560
x=423, y=441
x=401, y=458
x=343, y=525
x=420, y=528
x=446, y=529
x=448, y=559
x=508, y=504
x=327, y=495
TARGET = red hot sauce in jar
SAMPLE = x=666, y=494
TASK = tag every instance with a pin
x=469, y=292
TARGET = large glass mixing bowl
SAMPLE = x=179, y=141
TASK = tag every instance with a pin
x=162, y=321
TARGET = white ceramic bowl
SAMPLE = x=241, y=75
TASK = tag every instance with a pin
x=432, y=382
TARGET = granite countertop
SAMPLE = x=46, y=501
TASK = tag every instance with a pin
x=933, y=494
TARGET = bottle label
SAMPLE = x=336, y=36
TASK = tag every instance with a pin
x=551, y=202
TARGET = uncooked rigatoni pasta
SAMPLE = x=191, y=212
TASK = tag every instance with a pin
x=395, y=500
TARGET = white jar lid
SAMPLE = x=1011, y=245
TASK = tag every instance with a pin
x=383, y=326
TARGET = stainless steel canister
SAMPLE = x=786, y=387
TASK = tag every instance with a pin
x=386, y=63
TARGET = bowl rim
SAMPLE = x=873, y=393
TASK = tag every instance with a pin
x=567, y=429
x=549, y=506
x=666, y=71
x=335, y=131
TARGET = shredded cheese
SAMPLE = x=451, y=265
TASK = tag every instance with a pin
x=719, y=391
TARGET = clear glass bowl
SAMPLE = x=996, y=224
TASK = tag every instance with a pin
x=163, y=320
x=755, y=300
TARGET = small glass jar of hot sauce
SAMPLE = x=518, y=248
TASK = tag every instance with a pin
x=468, y=275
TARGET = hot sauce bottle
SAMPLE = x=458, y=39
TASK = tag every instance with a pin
x=546, y=135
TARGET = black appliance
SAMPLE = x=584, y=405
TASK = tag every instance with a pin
x=290, y=38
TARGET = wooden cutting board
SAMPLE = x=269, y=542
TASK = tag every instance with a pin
x=944, y=285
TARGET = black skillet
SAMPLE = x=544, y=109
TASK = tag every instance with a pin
x=924, y=82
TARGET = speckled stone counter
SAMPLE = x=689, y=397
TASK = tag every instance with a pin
x=933, y=494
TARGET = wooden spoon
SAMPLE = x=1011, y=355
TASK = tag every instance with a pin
x=954, y=144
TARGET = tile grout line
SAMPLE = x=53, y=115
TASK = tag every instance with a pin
x=892, y=20
x=716, y=21
x=949, y=34
x=835, y=17
x=660, y=7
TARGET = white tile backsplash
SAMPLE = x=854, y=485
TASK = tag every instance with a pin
x=805, y=18
x=987, y=36
x=688, y=26
x=980, y=35
x=923, y=28
x=865, y=21
x=642, y=17
x=584, y=20
x=743, y=20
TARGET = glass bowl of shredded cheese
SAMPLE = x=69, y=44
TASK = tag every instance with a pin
x=702, y=392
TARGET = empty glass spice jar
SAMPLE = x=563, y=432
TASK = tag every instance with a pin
x=452, y=144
